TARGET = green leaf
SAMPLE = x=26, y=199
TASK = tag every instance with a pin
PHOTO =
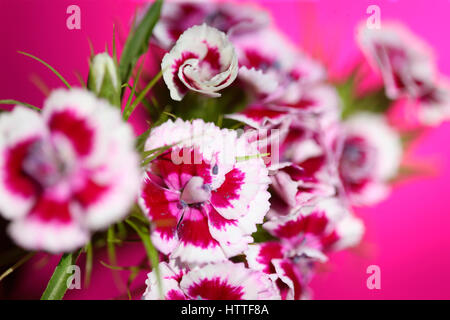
x=137, y=42
x=114, y=46
x=141, y=139
x=261, y=235
x=255, y=156
x=156, y=154
x=127, y=112
x=89, y=261
x=152, y=253
x=57, y=286
x=48, y=66
x=374, y=101
x=17, y=265
x=15, y=102
x=112, y=256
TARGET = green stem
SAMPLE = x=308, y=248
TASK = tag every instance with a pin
x=17, y=265
x=12, y=101
x=57, y=286
x=48, y=66
x=129, y=109
x=152, y=253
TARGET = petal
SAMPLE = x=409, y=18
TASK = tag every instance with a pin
x=242, y=185
x=405, y=62
x=170, y=276
x=74, y=128
x=51, y=226
x=196, y=244
x=19, y=130
x=227, y=281
x=228, y=195
x=260, y=256
x=231, y=235
x=375, y=130
x=265, y=86
x=291, y=278
x=202, y=60
x=259, y=116
x=350, y=231
x=163, y=208
x=176, y=17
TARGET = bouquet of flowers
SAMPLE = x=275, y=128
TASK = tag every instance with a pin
x=251, y=164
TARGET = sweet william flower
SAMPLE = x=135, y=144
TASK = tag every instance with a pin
x=305, y=236
x=218, y=281
x=203, y=202
x=266, y=128
x=308, y=169
x=202, y=60
x=318, y=227
x=234, y=20
x=275, y=70
x=66, y=171
x=405, y=62
x=371, y=155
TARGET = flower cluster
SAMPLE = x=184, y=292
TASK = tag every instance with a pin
x=317, y=164
x=204, y=212
x=251, y=184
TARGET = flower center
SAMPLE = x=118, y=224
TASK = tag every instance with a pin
x=44, y=165
x=357, y=161
x=196, y=191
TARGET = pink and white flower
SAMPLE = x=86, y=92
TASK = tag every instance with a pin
x=274, y=69
x=405, y=62
x=305, y=236
x=434, y=105
x=319, y=227
x=266, y=128
x=203, y=201
x=219, y=281
x=371, y=155
x=65, y=172
x=203, y=60
x=227, y=17
x=309, y=171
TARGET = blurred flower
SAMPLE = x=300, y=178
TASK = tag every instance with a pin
x=219, y=281
x=434, y=105
x=202, y=60
x=309, y=167
x=230, y=18
x=274, y=69
x=265, y=128
x=305, y=237
x=65, y=172
x=204, y=203
x=405, y=62
x=371, y=155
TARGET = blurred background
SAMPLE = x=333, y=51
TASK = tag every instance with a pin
x=407, y=235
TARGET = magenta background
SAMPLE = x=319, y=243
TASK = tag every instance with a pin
x=407, y=235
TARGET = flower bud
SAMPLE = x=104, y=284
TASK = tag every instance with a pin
x=103, y=78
